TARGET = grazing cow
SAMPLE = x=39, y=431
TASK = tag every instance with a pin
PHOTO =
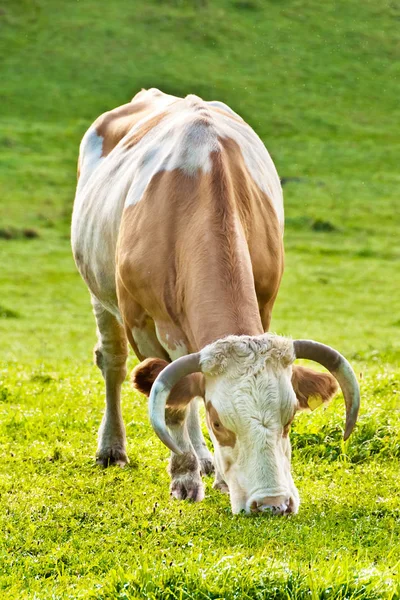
x=177, y=231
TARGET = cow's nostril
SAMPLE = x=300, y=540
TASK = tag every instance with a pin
x=254, y=506
x=289, y=507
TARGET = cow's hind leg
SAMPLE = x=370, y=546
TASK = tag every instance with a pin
x=111, y=353
x=184, y=468
x=197, y=439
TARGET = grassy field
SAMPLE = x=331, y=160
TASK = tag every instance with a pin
x=319, y=83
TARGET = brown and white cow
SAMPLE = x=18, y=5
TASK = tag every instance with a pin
x=177, y=231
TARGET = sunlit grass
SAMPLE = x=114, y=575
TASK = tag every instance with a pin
x=318, y=81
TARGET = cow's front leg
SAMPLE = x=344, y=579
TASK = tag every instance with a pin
x=110, y=356
x=196, y=436
x=184, y=468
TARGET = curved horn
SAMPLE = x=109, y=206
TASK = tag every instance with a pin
x=342, y=371
x=160, y=391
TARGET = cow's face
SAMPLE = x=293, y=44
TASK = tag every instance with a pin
x=248, y=420
x=250, y=403
x=252, y=392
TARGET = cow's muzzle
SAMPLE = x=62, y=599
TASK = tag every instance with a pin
x=275, y=505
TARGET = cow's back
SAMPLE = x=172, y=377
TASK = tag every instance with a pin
x=144, y=141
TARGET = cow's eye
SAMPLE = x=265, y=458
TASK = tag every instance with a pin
x=216, y=424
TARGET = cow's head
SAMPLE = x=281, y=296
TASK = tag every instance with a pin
x=252, y=393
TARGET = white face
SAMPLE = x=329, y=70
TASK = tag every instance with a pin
x=248, y=416
x=248, y=420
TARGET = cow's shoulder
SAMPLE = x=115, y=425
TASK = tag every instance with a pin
x=112, y=126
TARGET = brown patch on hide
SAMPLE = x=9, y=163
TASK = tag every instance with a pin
x=144, y=375
x=311, y=384
x=223, y=220
x=112, y=126
x=135, y=138
x=261, y=229
x=225, y=437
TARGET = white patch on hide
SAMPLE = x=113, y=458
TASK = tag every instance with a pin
x=174, y=349
x=144, y=341
x=90, y=152
x=224, y=107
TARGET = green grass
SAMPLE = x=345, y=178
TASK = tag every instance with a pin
x=319, y=83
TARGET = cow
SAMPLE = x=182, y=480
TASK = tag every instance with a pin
x=177, y=230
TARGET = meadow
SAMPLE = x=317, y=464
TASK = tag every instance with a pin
x=319, y=82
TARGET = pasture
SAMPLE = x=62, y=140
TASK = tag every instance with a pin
x=319, y=84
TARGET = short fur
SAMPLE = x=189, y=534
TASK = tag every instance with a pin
x=309, y=384
x=236, y=356
x=144, y=375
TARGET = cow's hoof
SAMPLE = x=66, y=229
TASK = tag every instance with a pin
x=112, y=456
x=221, y=486
x=187, y=487
x=206, y=466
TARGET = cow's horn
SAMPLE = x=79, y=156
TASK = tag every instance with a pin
x=160, y=391
x=342, y=371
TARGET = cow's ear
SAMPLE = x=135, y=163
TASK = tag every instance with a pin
x=144, y=375
x=312, y=388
